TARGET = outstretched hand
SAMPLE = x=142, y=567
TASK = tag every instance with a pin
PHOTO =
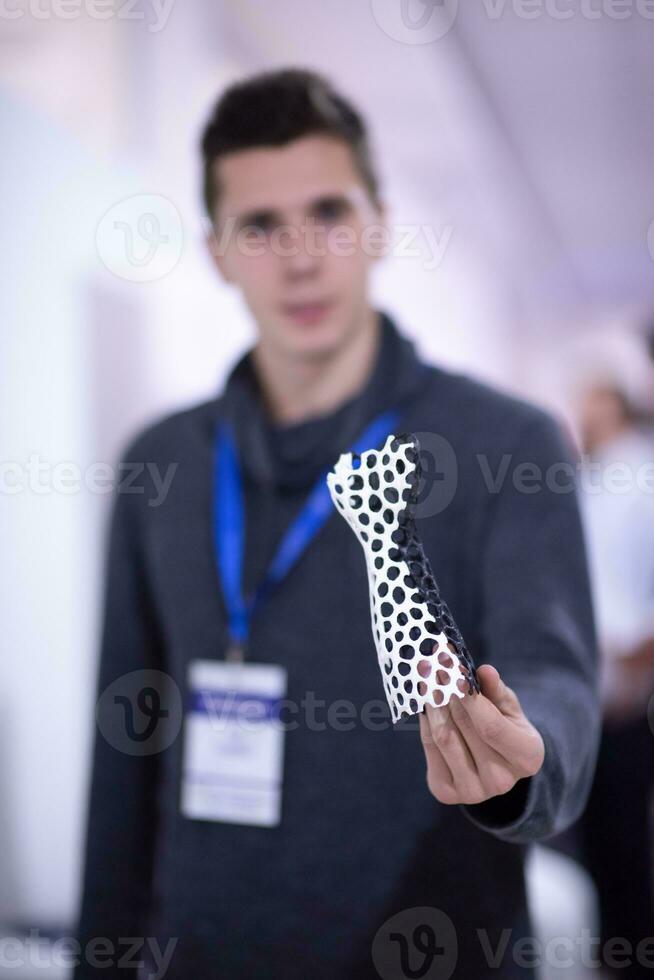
x=480, y=745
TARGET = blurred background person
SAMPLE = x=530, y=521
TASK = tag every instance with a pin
x=615, y=832
x=618, y=504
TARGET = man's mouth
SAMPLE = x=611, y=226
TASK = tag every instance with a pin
x=307, y=313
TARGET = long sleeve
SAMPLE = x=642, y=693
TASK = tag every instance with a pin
x=537, y=629
x=121, y=813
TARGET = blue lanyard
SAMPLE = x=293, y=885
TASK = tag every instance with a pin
x=229, y=524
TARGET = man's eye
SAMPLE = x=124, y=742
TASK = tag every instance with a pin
x=331, y=210
x=260, y=223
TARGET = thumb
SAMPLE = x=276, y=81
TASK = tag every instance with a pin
x=494, y=688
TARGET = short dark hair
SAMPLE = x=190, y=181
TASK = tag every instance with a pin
x=275, y=107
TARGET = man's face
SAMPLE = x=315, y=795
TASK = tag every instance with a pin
x=297, y=232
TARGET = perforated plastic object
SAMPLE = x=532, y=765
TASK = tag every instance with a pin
x=421, y=653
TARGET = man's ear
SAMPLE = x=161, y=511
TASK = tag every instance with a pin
x=216, y=251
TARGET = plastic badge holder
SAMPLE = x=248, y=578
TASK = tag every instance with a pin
x=422, y=655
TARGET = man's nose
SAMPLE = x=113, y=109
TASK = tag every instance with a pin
x=303, y=248
x=301, y=258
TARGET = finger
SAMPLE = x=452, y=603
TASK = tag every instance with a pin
x=494, y=688
x=517, y=744
x=496, y=774
x=456, y=754
x=439, y=777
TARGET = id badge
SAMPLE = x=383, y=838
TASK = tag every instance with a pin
x=233, y=743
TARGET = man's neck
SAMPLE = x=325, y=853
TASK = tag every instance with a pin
x=295, y=389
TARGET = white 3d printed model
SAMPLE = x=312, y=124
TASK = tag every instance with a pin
x=421, y=652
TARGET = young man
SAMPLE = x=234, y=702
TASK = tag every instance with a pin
x=368, y=821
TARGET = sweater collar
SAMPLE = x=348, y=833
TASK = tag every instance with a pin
x=293, y=456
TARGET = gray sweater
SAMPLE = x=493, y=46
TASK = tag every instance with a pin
x=361, y=838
